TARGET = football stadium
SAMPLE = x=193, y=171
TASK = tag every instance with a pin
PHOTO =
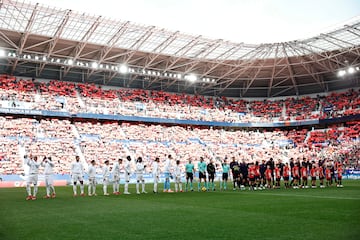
x=112, y=129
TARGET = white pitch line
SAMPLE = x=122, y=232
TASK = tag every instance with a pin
x=311, y=196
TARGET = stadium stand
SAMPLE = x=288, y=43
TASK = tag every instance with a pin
x=100, y=140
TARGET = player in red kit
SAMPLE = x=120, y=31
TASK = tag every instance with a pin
x=313, y=172
x=321, y=174
x=251, y=174
x=304, y=176
x=257, y=176
x=296, y=175
x=328, y=176
x=268, y=176
x=339, y=176
x=277, y=176
x=286, y=172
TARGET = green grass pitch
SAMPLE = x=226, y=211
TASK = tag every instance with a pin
x=329, y=213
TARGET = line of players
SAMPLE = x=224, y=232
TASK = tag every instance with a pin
x=254, y=175
x=268, y=174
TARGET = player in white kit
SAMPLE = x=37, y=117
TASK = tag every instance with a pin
x=48, y=174
x=167, y=173
x=92, y=179
x=127, y=169
x=177, y=175
x=32, y=177
x=140, y=168
x=156, y=174
x=106, y=175
x=116, y=176
x=77, y=175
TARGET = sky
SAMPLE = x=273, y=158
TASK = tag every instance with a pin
x=249, y=21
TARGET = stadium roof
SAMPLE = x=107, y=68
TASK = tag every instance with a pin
x=47, y=42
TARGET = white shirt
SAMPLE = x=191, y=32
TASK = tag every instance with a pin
x=77, y=168
x=127, y=167
x=33, y=166
x=116, y=169
x=140, y=168
x=177, y=171
x=48, y=167
x=167, y=166
x=92, y=171
x=155, y=168
x=106, y=171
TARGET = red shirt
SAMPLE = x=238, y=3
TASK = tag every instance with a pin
x=268, y=173
x=328, y=173
x=252, y=171
x=304, y=172
x=321, y=172
x=286, y=171
x=296, y=171
x=277, y=172
x=313, y=172
x=340, y=172
x=257, y=170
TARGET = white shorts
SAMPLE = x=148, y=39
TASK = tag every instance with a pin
x=156, y=179
x=178, y=179
x=49, y=180
x=139, y=177
x=116, y=178
x=127, y=177
x=106, y=180
x=76, y=177
x=32, y=178
x=92, y=181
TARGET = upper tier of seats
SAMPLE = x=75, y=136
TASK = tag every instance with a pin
x=90, y=98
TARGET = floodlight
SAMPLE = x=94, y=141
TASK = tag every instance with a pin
x=2, y=53
x=123, y=69
x=351, y=70
x=191, y=77
x=178, y=76
x=357, y=68
x=341, y=73
x=94, y=65
x=70, y=62
x=36, y=57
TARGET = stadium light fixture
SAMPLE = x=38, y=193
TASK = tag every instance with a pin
x=2, y=53
x=357, y=68
x=70, y=62
x=351, y=70
x=341, y=73
x=191, y=77
x=94, y=65
x=123, y=69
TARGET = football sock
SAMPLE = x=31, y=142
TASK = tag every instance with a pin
x=35, y=190
x=28, y=189
x=155, y=186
